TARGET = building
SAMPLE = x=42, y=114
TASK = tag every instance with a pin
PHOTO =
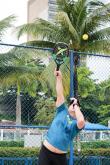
x=45, y=9
x=37, y=9
x=51, y=9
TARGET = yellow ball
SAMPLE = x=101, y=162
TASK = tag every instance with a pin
x=85, y=37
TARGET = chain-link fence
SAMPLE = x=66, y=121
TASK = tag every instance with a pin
x=27, y=99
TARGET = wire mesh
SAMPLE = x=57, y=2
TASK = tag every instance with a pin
x=27, y=97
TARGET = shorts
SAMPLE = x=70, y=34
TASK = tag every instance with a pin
x=47, y=157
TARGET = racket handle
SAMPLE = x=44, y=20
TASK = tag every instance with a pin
x=57, y=69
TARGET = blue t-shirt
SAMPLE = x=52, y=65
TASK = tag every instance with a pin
x=63, y=129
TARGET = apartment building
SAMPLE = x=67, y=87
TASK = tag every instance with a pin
x=45, y=9
x=51, y=9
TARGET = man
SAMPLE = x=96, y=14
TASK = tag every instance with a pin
x=65, y=126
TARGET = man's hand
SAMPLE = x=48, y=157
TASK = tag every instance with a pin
x=58, y=74
x=74, y=101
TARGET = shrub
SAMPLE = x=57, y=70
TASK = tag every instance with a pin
x=94, y=152
x=34, y=152
x=18, y=152
x=95, y=144
x=11, y=144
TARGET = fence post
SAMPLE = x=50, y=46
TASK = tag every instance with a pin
x=71, y=73
x=71, y=161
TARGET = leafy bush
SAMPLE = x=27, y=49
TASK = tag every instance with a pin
x=84, y=145
x=96, y=144
x=95, y=152
x=18, y=152
x=34, y=152
x=11, y=144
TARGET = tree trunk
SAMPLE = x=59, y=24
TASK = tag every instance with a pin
x=18, y=110
x=18, y=117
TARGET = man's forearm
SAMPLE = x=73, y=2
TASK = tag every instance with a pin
x=79, y=117
x=59, y=86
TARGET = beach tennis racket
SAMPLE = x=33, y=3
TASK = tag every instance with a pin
x=60, y=53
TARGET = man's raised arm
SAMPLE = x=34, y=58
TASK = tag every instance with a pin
x=78, y=114
x=59, y=88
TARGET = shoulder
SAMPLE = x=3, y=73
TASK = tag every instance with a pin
x=62, y=106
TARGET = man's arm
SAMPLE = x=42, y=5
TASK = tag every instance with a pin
x=79, y=117
x=59, y=88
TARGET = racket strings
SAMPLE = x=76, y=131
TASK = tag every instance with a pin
x=60, y=53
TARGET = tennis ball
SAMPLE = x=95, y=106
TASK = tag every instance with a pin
x=85, y=37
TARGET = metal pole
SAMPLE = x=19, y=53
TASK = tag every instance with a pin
x=71, y=161
x=71, y=74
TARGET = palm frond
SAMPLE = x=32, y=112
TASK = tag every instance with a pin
x=40, y=43
x=94, y=5
x=5, y=57
x=99, y=46
x=21, y=55
x=6, y=70
x=47, y=78
x=101, y=34
x=6, y=23
x=64, y=20
x=81, y=10
x=64, y=5
x=14, y=53
x=100, y=11
x=92, y=21
x=24, y=29
x=92, y=24
x=39, y=27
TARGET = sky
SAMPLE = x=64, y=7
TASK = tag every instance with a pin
x=19, y=9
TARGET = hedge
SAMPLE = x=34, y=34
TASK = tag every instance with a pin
x=18, y=152
x=94, y=152
x=84, y=145
x=11, y=144
x=95, y=144
x=34, y=152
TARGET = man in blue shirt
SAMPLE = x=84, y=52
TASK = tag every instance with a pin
x=65, y=126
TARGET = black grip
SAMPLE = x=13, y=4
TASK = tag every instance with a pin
x=58, y=67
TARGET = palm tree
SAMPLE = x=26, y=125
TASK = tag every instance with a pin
x=5, y=24
x=18, y=69
x=73, y=20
